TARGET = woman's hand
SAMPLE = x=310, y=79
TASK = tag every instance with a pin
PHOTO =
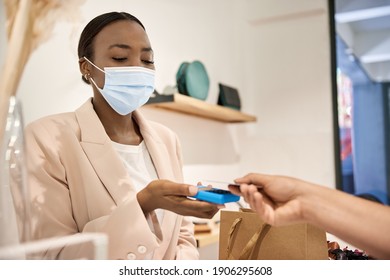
x=173, y=196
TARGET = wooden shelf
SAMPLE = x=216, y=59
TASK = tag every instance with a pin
x=188, y=105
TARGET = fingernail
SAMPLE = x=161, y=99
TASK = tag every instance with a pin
x=193, y=190
x=220, y=206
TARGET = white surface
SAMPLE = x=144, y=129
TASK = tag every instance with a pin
x=98, y=240
x=209, y=252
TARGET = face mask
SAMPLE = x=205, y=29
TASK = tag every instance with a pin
x=126, y=88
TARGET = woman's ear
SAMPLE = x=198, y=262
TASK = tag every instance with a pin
x=84, y=69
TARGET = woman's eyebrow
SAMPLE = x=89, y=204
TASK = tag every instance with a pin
x=124, y=46
x=149, y=49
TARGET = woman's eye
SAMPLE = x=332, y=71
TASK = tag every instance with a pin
x=148, y=61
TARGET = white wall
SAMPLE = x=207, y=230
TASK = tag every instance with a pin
x=275, y=52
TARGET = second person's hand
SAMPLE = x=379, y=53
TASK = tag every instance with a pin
x=277, y=199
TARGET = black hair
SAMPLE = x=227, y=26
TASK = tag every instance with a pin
x=85, y=47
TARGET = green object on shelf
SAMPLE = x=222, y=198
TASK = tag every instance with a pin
x=192, y=80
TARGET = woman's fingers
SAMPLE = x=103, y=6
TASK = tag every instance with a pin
x=196, y=208
x=171, y=188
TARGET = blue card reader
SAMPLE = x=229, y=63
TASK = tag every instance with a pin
x=217, y=196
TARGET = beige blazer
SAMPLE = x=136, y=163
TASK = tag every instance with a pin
x=79, y=184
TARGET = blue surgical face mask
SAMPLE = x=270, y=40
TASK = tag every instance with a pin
x=126, y=88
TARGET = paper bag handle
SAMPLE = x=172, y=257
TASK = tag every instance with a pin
x=255, y=241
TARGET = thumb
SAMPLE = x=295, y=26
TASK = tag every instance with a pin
x=243, y=180
x=253, y=178
x=192, y=190
x=180, y=189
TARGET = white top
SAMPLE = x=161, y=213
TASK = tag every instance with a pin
x=139, y=165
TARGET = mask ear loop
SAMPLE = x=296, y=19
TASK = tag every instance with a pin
x=94, y=64
x=90, y=78
x=95, y=84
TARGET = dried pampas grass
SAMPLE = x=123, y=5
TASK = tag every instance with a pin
x=44, y=14
x=29, y=23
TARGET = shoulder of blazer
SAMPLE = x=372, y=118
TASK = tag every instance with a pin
x=53, y=123
x=62, y=122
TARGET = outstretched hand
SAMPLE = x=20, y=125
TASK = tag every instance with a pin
x=274, y=198
x=173, y=196
x=282, y=200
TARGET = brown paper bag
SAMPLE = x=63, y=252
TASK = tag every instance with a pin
x=244, y=236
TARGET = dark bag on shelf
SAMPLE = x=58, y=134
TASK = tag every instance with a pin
x=229, y=97
x=192, y=80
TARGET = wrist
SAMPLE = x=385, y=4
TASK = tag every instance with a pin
x=144, y=202
x=314, y=203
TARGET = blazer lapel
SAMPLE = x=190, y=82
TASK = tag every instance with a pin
x=105, y=161
x=156, y=147
x=160, y=157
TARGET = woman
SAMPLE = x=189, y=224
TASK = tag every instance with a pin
x=104, y=168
